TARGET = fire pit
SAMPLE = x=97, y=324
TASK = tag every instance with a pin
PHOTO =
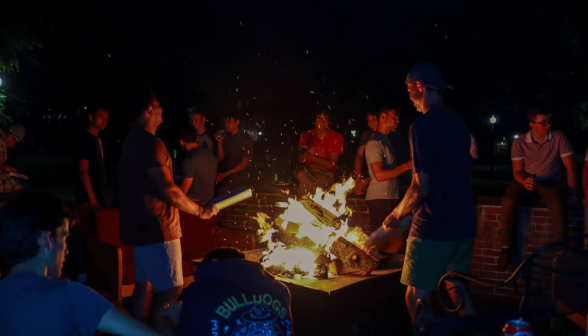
x=329, y=267
x=312, y=238
x=346, y=304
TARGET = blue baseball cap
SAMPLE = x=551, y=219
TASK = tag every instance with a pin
x=429, y=75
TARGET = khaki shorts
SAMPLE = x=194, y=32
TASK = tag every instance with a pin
x=160, y=264
x=426, y=261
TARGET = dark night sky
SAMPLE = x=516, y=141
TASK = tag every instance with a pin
x=500, y=55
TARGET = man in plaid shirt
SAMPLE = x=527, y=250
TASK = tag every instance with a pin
x=9, y=139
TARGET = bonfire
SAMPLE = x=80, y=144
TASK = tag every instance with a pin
x=313, y=236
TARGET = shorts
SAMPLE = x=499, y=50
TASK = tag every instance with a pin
x=426, y=261
x=160, y=264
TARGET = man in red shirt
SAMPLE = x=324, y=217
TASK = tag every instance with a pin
x=318, y=150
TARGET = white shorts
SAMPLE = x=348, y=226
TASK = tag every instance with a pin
x=160, y=264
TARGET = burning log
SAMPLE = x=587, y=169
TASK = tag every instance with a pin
x=282, y=272
x=353, y=257
x=324, y=216
x=289, y=236
x=291, y=240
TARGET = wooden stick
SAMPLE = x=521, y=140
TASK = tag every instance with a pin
x=233, y=199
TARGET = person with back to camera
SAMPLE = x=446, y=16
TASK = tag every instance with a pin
x=231, y=296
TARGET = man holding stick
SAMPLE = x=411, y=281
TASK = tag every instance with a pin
x=442, y=235
x=149, y=217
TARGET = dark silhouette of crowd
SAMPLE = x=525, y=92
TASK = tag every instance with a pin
x=429, y=178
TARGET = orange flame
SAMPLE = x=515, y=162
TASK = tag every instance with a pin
x=297, y=222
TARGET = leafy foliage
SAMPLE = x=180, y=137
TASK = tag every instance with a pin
x=17, y=43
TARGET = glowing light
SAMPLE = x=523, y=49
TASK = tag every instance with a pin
x=0, y=81
x=318, y=238
x=493, y=119
x=516, y=136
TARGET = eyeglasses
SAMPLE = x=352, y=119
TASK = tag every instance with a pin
x=543, y=123
x=322, y=119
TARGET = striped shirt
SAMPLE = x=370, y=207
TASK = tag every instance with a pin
x=543, y=159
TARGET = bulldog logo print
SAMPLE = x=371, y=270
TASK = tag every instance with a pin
x=256, y=315
x=259, y=321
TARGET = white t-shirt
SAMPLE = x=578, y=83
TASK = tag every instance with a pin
x=379, y=149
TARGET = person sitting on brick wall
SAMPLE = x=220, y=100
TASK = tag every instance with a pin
x=318, y=150
x=536, y=159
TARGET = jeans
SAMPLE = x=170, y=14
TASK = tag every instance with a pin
x=311, y=177
x=554, y=193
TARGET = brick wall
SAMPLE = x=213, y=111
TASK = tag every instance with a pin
x=535, y=223
x=486, y=248
x=241, y=216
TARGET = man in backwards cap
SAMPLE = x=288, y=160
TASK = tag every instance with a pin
x=442, y=235
x=9, y=139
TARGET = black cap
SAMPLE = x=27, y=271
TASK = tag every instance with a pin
x=429, y=75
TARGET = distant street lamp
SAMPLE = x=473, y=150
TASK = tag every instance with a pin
x=492, y=122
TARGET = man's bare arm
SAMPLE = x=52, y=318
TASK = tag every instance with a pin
x=239, y=167
x=518, y=171
x=83, y=166
x=415, y=194
x=5, y=167
x=220, y=153
x=359, y=160
x=570, y=165
x=173, y=195
x=185, y=184
x=327, y=163
x=116, y=322
x=302, y=153
x=382, y=174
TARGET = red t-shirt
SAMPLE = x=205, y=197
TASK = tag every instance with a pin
x=331, y=143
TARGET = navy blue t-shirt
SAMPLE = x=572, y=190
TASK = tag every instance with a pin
x=440, y=147
x=31, y=304
x=235, y=297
